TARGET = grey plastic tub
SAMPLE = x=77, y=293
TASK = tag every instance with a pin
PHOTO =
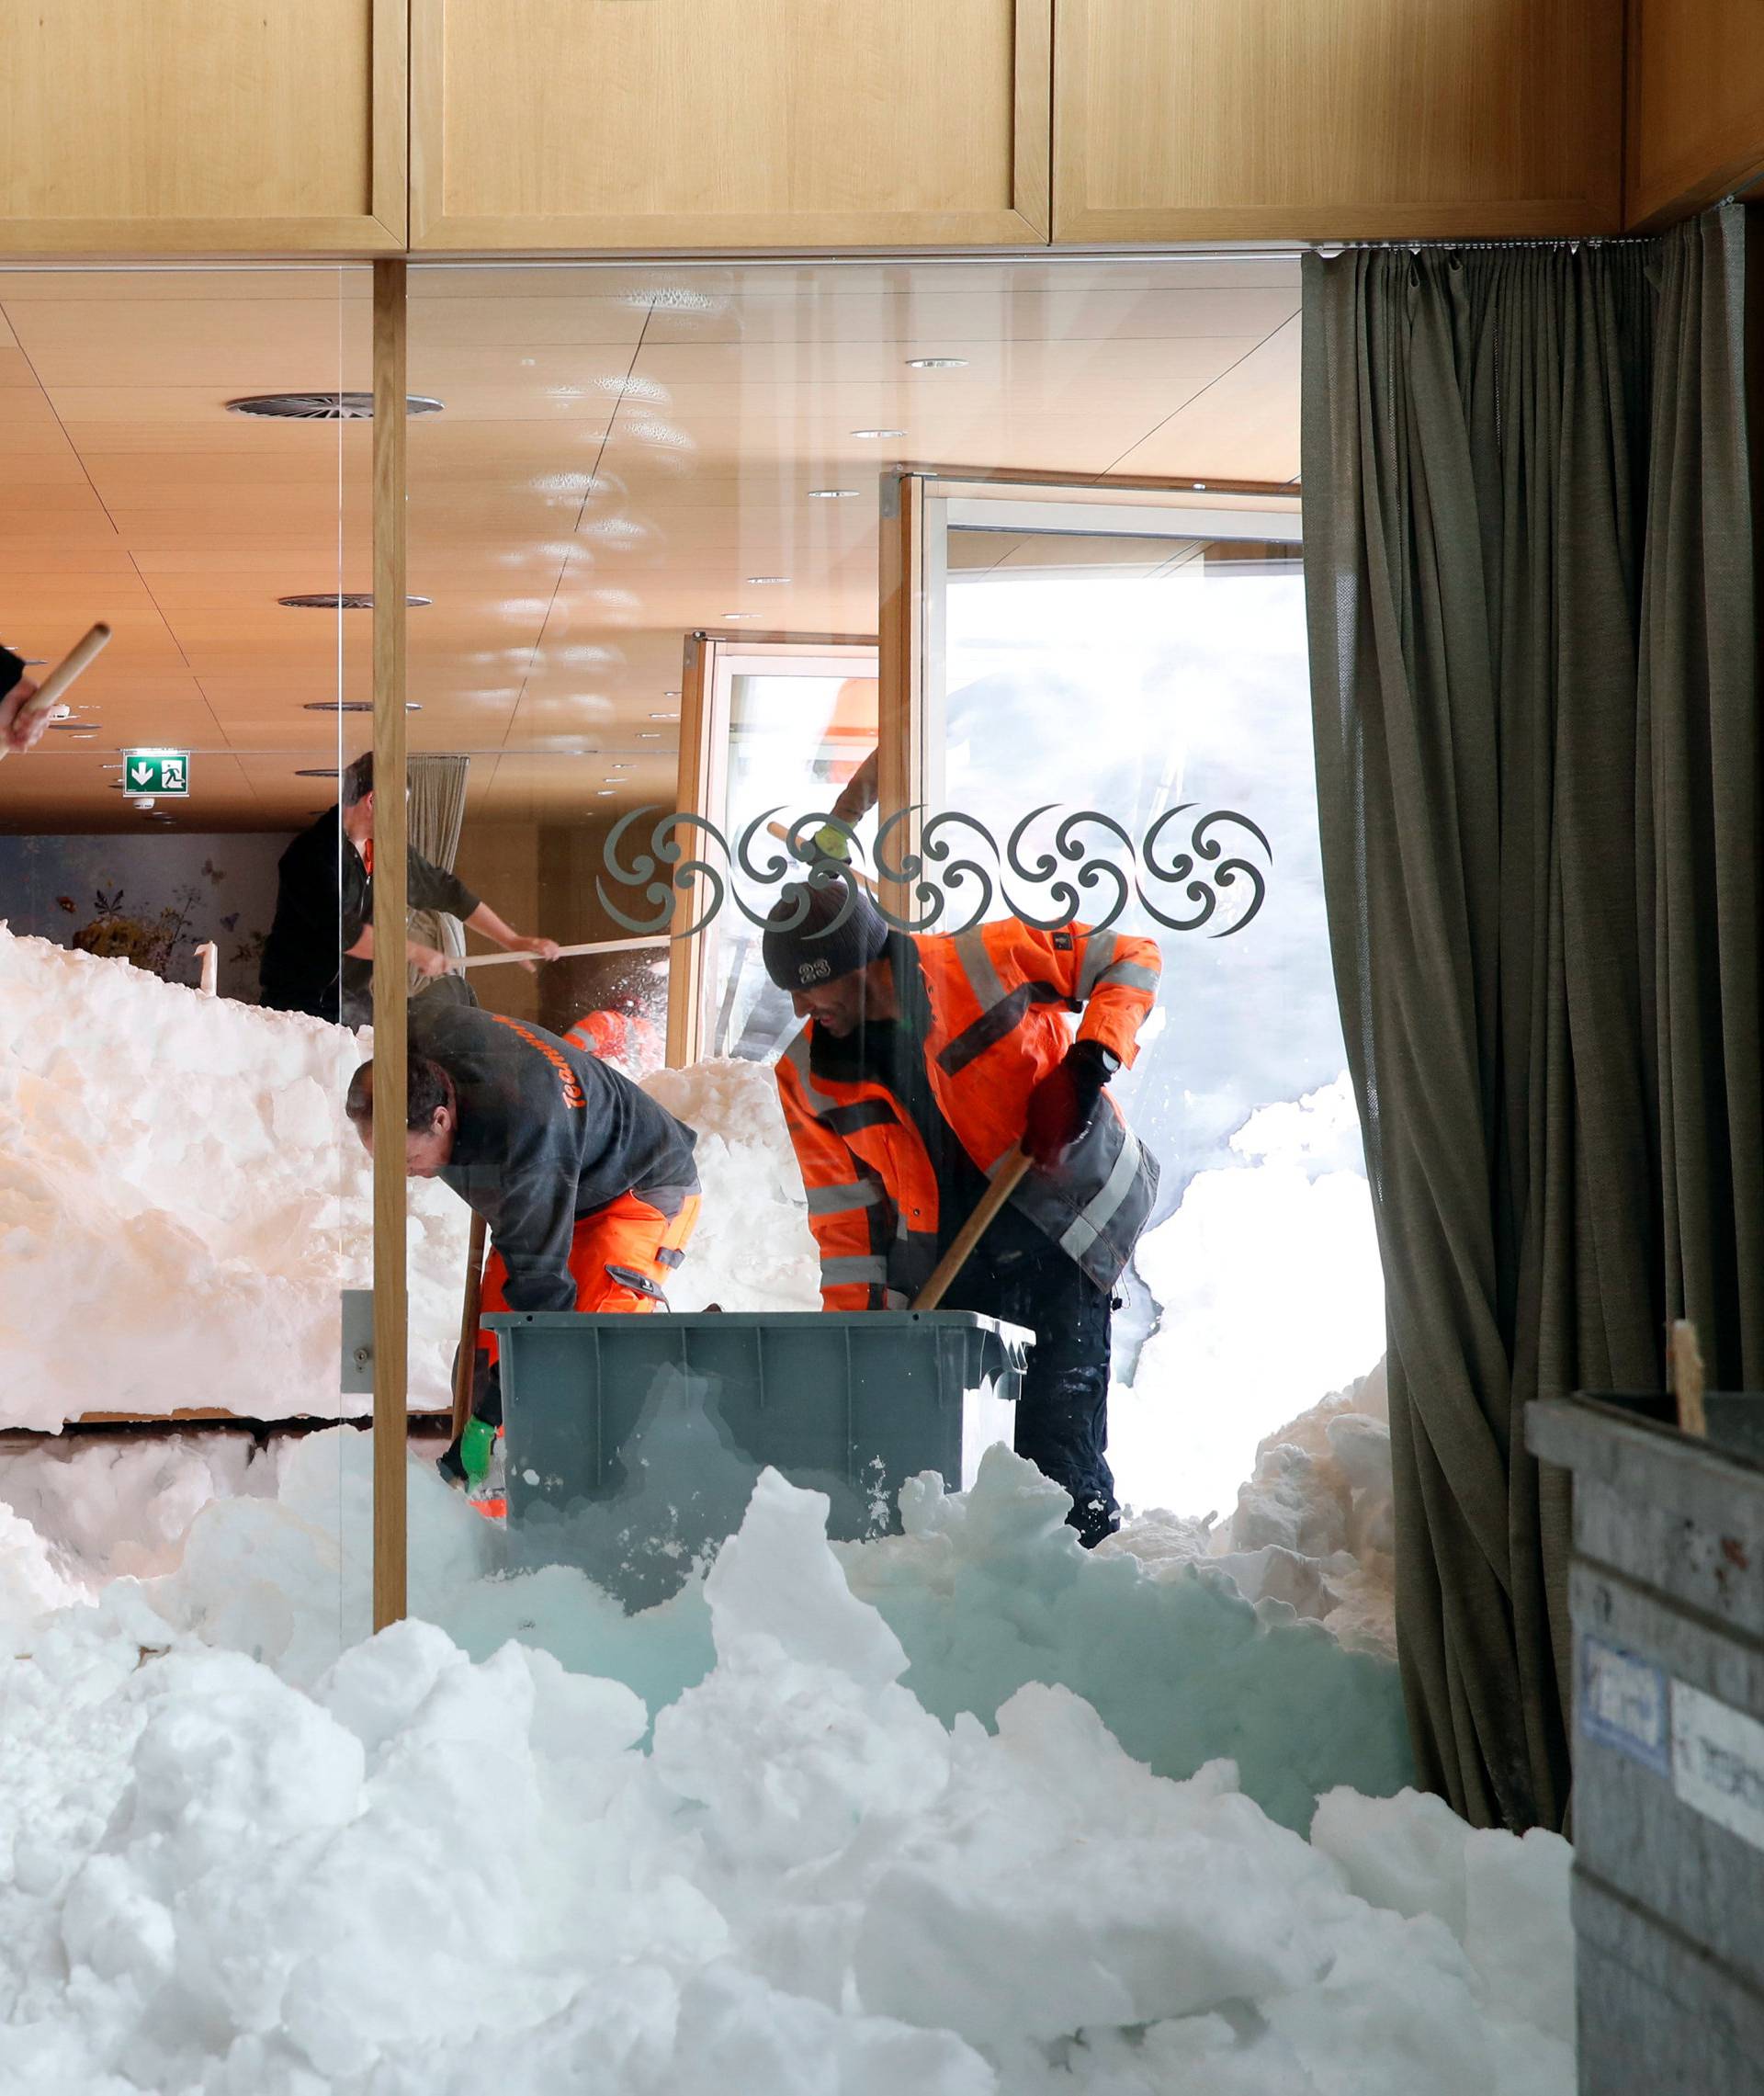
x=1666, y=1595
x=633, y=1442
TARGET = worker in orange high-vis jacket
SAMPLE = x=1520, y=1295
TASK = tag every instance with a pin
x=925, y=1061
x=588, y=1186
x=620, y=1033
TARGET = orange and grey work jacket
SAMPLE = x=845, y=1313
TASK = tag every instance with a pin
x=993, y=1025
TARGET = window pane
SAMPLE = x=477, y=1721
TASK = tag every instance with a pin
x=1133, y=677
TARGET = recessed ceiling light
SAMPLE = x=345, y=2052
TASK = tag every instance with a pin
x=324, y=406
x=70, y=726
x=833, y=494
x=1201, y=485
x=766, y=581
x=936, y=363
x=740, y=615
x=670, y=695
x=339, y=600
x=664, y=716
x=603, y=793
x=879, y=433
x=648, y=734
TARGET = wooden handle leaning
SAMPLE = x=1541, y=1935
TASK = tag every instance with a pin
x=1004, y=1183
x=1685, y=1356
x=466, y=1361
x=78, y=657
x=781, y=832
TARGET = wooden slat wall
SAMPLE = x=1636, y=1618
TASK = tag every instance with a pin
x=680, y=123
x=1320, y=120
x=202, y=127
x=1695, y=114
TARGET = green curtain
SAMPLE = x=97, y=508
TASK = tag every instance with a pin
x=1531, y=592
x=436, y=815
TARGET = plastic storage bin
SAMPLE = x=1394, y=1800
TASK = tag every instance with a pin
x=633, y=1442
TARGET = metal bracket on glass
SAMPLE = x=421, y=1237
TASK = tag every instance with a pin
x=357, y=1363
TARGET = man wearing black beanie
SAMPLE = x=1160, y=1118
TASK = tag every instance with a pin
x=925, y=1060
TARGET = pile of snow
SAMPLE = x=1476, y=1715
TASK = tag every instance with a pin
x=988, y=1591
x=427, y=1873
x=751, y=1249
x=1270, y=1292
x=181, y=1200
x=1314, y=1528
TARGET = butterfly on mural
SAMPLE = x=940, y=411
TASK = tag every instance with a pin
x=230, y=923
x=68, y=903
x=215, y=872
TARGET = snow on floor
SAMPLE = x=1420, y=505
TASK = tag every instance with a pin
x=419, y=1872
x=1313, y=1529
x=951, y=1809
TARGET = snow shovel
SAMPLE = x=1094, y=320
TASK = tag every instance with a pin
x=79, y=657
x=1003, y=1184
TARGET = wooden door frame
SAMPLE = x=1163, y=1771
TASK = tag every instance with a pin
x=911, y=760
x=701, y=789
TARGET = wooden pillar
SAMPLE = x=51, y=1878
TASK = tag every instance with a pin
x=693, y=796
x=392, y=1413
x=901, y=722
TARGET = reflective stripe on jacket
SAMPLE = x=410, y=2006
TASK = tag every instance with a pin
x=993, y=1025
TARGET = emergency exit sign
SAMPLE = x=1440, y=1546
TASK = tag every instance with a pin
x=156, y=771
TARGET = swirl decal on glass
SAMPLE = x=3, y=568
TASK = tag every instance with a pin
x=683, y=876
x=1069, y=852
x=1201, y=888
x=1189, y=872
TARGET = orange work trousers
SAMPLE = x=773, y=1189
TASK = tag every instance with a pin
x=626, y=1233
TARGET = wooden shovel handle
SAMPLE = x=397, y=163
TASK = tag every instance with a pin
x=466, y=1361
x=1004, y=1183
x=79, y=657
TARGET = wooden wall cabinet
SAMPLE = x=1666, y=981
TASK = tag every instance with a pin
x=1695, y=116
x=660, y=124
x=1336, y=120
x=202, y=127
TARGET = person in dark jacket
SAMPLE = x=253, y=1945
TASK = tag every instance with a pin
x=325, y=908
x=16, y=690
x=588, y=1187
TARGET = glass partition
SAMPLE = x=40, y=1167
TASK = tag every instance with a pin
x=182, y=1200
x=1116, y=694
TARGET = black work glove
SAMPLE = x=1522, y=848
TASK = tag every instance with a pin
x=1063, y=1106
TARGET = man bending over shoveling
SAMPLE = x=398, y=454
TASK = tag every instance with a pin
x=925, y=1060
x=588, y=1187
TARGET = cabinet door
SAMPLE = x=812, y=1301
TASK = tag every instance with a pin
x=728, y=123
x=1336, y=120
x=202, y=127
x=1696, y=104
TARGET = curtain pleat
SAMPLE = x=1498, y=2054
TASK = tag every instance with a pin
x=1530, y=584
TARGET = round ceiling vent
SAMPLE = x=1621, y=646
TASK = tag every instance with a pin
x=351, y=705
x=340, y=600
x=324, y=407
